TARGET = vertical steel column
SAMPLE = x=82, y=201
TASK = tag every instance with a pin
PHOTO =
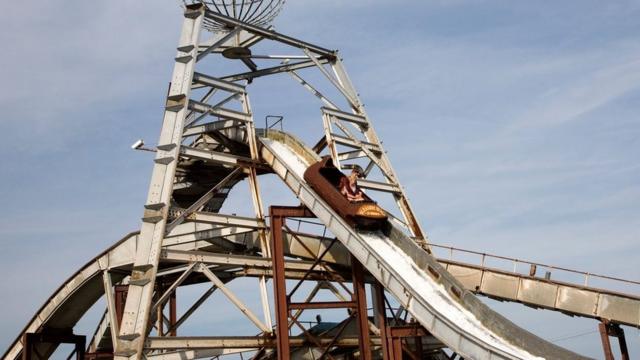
x=418, y=352
x=279, y=285
x=283, y=306
x=120, y=299
x=27, y=347
x=381, y=318
x=257, y=204
x=277, y=215
x=173, y=312
x=331, y=144
x=606, y=344
x=608, y=329
x=160, y=309
x=80, y=346
x=395, y=349
x=396, y=334
x=624, y=351
x=360, y=298
x=135, y=321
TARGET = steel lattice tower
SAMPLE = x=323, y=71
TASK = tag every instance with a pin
x=208, y=143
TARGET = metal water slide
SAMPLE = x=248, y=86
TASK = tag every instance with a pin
x=420, y=284
x=206, y=147
x=77, y=294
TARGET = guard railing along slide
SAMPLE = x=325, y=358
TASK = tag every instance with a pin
x=435, y=298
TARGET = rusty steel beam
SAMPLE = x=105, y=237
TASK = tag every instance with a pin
x=283, y=305
x=408, y=331
x=622, y=342
x=606, y=343
x=608, y=329
x=360, y=298
x=381, y=318
x=277, y=215
x=120, y=299
x=173, y=312
x=393, y=347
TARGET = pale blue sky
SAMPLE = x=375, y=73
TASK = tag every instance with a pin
x=513, y=125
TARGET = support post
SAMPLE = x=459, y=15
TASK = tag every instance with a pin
x=137, y=310
x=624, y=351
x=279, y=289
x=381, y=318
x=283, y=305
x=608, y=329
x=606, y=344
x=396, y=334
x=160, y=309
x=277, y=215
x=120, y=300
x=395, y=349
x=173, y=312
x=360, y=298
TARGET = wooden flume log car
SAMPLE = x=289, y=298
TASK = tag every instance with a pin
x=324, y=179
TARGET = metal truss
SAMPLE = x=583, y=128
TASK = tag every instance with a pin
x=207, y=145
x=228, y=143
x=283, y=299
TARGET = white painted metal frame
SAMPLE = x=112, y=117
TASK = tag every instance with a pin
x=171, y=234
x=158, y=209
x=141, y=285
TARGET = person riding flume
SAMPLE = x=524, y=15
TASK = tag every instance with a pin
x=349, y=186
x=340, y=191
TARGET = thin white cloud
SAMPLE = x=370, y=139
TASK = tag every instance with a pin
x=568, y=102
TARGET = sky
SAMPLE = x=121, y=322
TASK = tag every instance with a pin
x=513, y=127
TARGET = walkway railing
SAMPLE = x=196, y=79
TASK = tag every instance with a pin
x=524, y=267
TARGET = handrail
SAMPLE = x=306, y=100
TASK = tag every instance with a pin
x=278, y=121
x=516, y=261
x=534, y=265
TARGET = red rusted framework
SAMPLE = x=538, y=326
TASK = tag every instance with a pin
x=400, y=340
x=120, y=298
x=283, y=306
x=608, y=329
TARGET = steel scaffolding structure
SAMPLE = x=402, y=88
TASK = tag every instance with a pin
x=208, y=144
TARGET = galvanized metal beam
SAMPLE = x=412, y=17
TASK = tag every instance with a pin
x=208, y=80
x=216, y=157
x=273, y=70
x=137, y=309
x=268, y=34
x=110, y=315
x=231, y=35
x=226, y=220
x=204, y=108
x=233, y=298
x=198, y=204
x=209, y=127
